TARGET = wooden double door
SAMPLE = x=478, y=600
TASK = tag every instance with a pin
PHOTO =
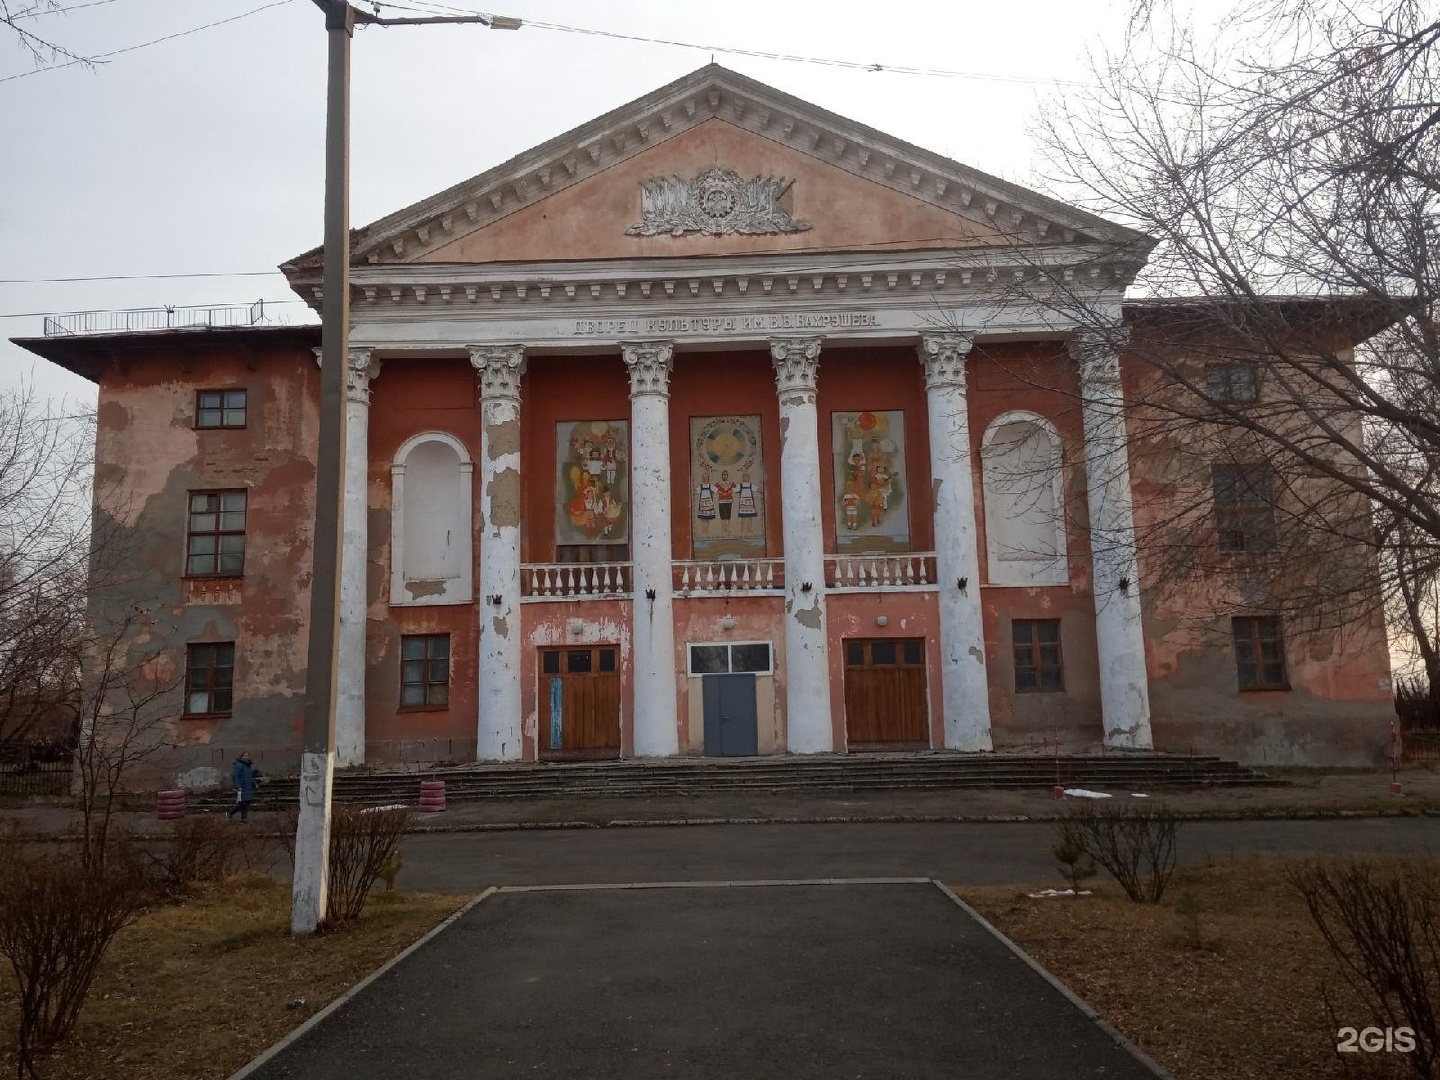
x=580, y=702
x=885, y=694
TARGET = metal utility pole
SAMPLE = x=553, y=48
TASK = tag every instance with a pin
x=317, y=752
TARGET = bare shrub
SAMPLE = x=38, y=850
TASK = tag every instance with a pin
x=364, y=847
x=1381, y=922
x=362, y=844
x=203, y=850
x=1135, y=844
x=57, y=918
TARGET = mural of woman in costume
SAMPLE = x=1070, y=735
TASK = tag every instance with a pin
x=728, y=518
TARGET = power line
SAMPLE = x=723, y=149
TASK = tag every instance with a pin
x=853, y=65
x=133, y=277
x=146, y=44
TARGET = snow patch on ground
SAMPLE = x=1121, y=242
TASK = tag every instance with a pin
x=1086, y=793
x=1049, y=894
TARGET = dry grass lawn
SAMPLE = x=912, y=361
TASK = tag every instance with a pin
x=1249, y=1005
x=193, y=991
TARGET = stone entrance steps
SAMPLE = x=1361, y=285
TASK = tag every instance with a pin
x=775, y=775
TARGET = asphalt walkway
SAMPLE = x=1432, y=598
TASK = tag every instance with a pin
x=785, y=982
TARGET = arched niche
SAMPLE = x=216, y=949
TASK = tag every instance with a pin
x=431, y=521
x=1022, y=470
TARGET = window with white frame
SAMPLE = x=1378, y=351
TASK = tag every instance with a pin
x=731, y=657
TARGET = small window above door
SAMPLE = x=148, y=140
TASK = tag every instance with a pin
x=740, y=657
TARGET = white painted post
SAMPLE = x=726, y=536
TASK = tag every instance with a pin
x=807, y=654
x=657, y=732
x=354, y=560
x=500, y=369
x=1119, y=634
x=965, y=687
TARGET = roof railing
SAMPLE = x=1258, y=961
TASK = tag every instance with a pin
x=171, y=317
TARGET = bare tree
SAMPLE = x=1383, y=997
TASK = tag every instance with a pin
x=42, y=46
x=1285, y=409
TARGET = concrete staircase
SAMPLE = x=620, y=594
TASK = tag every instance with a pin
x=772, y=775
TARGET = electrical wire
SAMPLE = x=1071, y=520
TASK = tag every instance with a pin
x=854, y=65
x=133, y=277
x=101, y=57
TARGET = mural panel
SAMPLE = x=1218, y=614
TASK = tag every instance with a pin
x=592, y=491
x=872, y=508
x=727, y=487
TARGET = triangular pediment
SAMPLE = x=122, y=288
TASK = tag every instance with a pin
x=811, y=180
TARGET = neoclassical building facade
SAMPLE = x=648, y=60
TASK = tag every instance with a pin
x=719, y=425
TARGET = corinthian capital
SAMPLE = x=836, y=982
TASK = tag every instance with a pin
x=500, y=368
x=943, y=356
x=649, y=363
x=1096, y=349
x=360, y=368
x=797, y=360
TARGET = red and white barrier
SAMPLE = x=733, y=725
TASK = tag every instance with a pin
x=170, y=805
x=432, y=796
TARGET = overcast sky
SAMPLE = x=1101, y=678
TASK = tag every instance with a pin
x=203, y=154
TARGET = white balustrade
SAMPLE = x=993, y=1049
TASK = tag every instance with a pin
x=914, y=570
x=564, y=581
x=729, y=575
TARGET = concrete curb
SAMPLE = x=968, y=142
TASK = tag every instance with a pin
x=256, y=1063
x=1080, y=1003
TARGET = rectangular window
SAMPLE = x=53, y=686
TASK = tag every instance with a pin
x=215, y=534
x=1036, y=645
x=209, y=678
x=1230, y=382
x=741, y=657
x=424, y=671
x=220, y=409
x=1244, y=510
x=1259, y=653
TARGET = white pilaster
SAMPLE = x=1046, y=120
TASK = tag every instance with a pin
x=361, y=367
x=1119, y=635
x=965, y=687
x=500, y=369
x=807, y=661
x=354, y=562
x=653, y=624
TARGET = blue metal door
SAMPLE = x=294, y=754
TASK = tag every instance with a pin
x=730, y=716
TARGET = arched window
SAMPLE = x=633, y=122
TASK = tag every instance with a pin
x=430, y=521
x=1022, y=467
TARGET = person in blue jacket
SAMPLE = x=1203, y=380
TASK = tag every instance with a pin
x=242, y=779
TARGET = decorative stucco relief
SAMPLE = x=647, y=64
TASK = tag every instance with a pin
x=717, y=202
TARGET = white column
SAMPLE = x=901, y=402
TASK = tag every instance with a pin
x=965, y=687
x=500, y=369
x=657, y=733
x=354, y=562
x=1119, y=635
x=807, y=655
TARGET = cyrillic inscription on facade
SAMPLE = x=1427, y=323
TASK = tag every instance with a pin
x=726, y=324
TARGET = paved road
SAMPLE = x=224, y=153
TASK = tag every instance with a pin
x=975, y=854
x=770, y=983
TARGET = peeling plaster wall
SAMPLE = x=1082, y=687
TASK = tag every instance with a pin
x=1339, y=707
x=149, y=457
x=411, y=396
